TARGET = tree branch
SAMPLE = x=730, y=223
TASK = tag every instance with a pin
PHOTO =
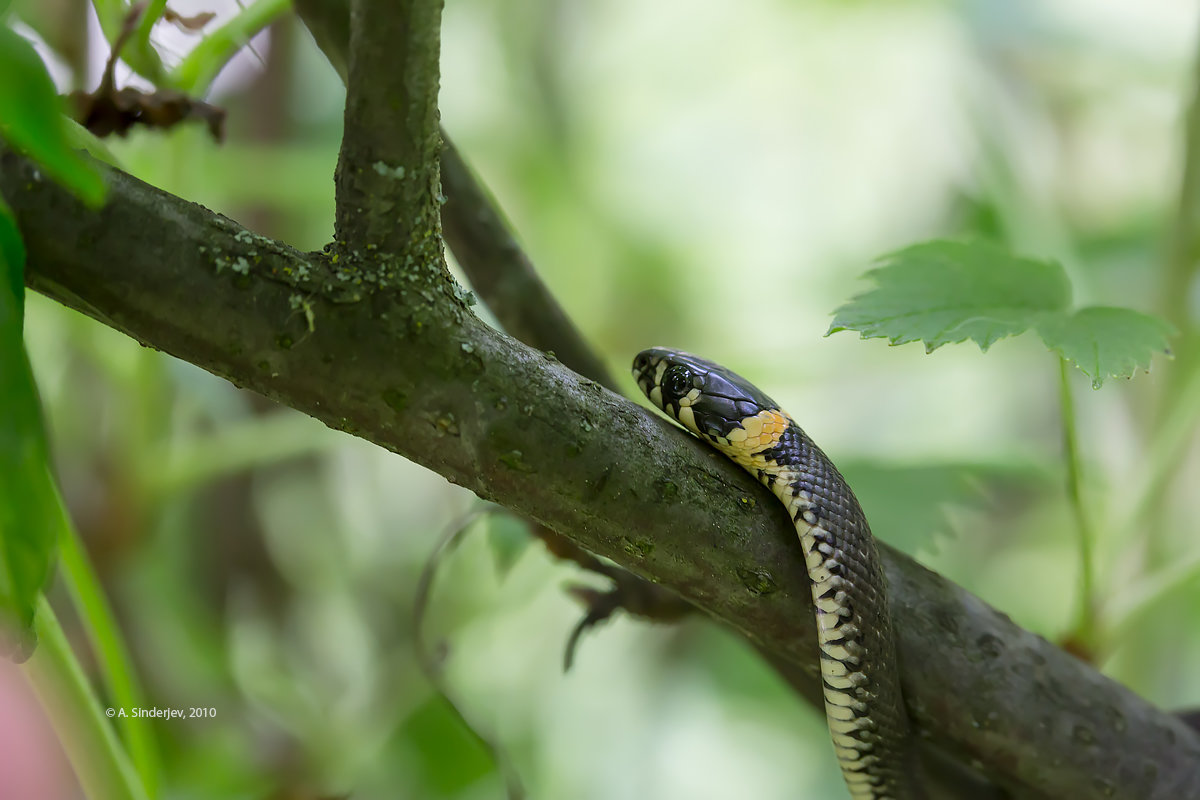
x=509, y=285
x=388, y=188
x=412, y=370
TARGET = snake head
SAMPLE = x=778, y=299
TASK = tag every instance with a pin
x=706, y=398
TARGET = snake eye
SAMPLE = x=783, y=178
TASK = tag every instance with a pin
x=676, y=381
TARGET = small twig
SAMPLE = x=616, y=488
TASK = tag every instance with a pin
x=600, y=606
x=1082, y=637
x=109, y=110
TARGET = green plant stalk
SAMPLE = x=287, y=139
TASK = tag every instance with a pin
x=115, y=665
x=1183, y=239
x=1085, y=621
x=1168, y=445
x=1170, y=442
x=100, y=765
x=111, y=14
x=139, y=47
x=195, y=73
x=141, y=57
x=1138, y=601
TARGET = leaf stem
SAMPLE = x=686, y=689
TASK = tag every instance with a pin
x=146, y=54
x=101, y=766
x=139, y=55
x=1085, y=622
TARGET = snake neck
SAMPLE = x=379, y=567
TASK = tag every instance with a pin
x=867, y=722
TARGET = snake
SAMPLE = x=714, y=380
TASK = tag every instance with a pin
x=864, y=706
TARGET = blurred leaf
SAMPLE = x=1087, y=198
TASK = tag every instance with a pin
x=906, y=504
x=978, y=216
x=12, y=258
x=450, y=757
x=508, y=538
x=29, y=510
x=737, y=671
x=31, y=119
x=196, y=71
x=236, y=446
x=943, y=292
x=1106, y=342
x=141, y=56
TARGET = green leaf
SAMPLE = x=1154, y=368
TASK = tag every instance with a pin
x=448, y=758
x=943, y=292
x=31, y=119
x=1106, y=342
x=30, y=514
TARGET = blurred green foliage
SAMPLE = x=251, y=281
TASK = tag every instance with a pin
x=31, y=118
x=712, y=178
x=29, y=515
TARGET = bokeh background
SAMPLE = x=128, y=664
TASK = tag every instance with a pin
x=715, y=177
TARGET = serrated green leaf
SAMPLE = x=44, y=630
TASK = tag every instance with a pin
x=31, y=119
x=508, y=538
x=944, y=292
x=1106, y=342
x=30, y=514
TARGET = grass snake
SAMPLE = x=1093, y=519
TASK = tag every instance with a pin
x=860, y=678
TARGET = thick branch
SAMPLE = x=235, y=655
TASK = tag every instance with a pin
x=476, y=232
x=419, y=375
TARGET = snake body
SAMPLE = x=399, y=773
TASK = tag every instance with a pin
x=863, y=702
